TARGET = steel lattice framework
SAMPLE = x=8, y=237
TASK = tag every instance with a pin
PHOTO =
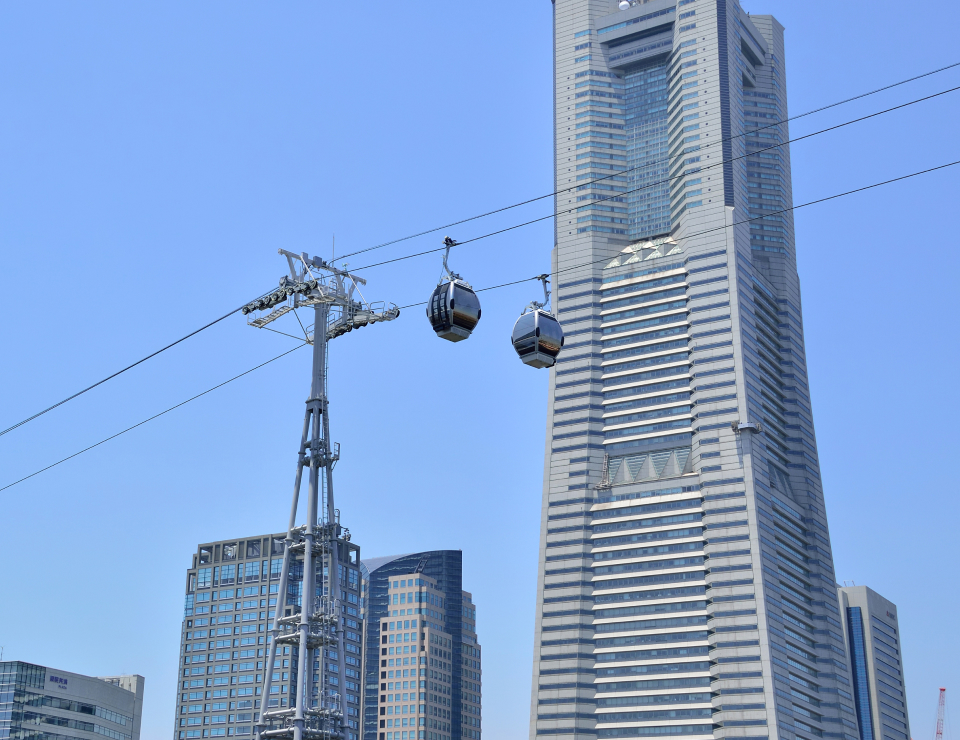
x=339, y=307
x=941, y=706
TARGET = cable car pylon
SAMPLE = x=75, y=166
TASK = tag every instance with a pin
x=314, y=629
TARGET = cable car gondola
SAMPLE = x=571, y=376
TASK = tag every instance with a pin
x=453, y=308
x=537, y=335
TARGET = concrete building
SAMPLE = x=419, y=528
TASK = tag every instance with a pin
x=40, y=702
x=422, y=627
x=879, y=687
x=686, y=581
x=231, y=597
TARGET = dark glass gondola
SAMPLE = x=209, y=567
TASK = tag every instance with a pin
x=453, y=308
x=537, y=335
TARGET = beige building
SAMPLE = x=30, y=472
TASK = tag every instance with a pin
x=417, y=656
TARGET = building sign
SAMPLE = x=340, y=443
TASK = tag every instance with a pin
x=60, y=682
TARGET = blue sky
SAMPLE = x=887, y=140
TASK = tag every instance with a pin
x=155, y=156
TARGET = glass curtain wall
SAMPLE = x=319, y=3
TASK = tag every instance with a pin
x=646, y=128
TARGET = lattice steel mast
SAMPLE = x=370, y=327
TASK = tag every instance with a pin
x=941, y=705
x=318, y=625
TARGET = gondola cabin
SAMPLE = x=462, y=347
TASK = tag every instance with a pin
x=453, y=310
x=537, y=338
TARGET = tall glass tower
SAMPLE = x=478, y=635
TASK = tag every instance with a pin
x=686, y=582
x=876, y=663
x=231, y=597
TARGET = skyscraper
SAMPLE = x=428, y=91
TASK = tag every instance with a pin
x=686, y=579
x=417, y=614
x=877, y=662
x=232, y=590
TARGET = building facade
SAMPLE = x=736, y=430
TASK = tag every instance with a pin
x=879, y=686
x=40, y=702
x=231, y=596
x=686, y=582
x=421, y=626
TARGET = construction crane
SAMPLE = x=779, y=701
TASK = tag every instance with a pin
x=941, y=705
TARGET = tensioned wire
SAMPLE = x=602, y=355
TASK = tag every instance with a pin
x=155, y=416
x=648, y=164
x=492, y=287
x=119, y=372
x=725, y=226
x=720, y=163
x=527, y=223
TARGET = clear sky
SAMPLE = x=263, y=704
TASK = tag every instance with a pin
x=154, y=156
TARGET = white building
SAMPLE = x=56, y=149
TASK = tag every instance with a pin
x=686, y=581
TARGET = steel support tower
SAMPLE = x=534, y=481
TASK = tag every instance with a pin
x=316, y=630
x=941, y=705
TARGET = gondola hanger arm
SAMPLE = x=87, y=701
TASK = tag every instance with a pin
x=448, y=243
x=536, y=305
x=545, y=279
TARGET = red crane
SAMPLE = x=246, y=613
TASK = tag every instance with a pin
x=940, y=708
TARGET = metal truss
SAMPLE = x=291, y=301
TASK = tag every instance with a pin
x=316, y=630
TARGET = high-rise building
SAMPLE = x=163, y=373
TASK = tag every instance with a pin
x=686, y=580
x=873, y=635
x=47, y=703
x=231, y=595
x=422, y=670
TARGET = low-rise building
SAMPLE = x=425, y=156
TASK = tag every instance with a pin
x=41, y=702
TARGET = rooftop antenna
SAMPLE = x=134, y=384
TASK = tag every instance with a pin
x=313, y=709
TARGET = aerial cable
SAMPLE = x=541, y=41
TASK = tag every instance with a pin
x=155, y=416
x=492, y=287
x=533, y=221
x=785, y=210
x=725, y=226
x=648, y=164
x=661, y=182
x=119, y=372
